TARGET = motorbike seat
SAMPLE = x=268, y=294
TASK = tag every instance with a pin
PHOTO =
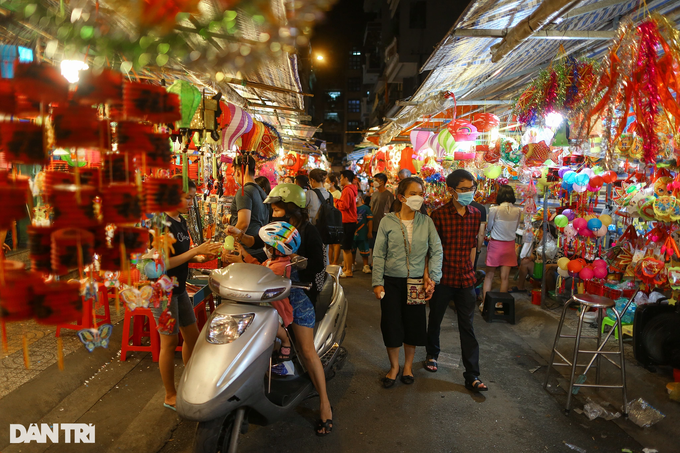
x=324, y=298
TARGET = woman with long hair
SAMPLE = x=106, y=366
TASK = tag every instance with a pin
x=333, y=187
x=407, y=263
x=500, y=252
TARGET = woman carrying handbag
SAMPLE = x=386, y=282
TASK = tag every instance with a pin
x=407, y=263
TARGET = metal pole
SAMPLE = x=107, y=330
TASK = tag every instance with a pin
x=545, y=237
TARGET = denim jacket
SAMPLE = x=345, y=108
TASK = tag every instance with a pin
x=389, y=252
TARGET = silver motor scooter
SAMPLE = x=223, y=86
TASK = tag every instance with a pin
x=228, y=381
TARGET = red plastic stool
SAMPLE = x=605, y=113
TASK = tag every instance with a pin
x=88, y=322
x=144, y=326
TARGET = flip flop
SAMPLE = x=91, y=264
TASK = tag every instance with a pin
x=169, y=406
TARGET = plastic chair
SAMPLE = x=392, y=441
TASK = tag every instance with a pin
x=144, y=326
x=88, y=322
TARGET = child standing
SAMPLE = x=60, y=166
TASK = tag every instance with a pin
x=364, y=230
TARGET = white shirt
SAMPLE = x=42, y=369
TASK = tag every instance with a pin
x=409, y=229
x=503, y=221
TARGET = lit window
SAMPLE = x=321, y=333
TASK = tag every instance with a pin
x=354, y=106
x=334, y=95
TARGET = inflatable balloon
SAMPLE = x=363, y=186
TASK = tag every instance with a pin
x=571, y=215
x=563, y=262
x=419, y=138
x=594, y=224
x=446, y=140
x=493, y=171
x=240, y=122
x=580, y=223
x=574, y=266
x=561, y=221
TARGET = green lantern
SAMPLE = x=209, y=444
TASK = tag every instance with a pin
x=189, y=100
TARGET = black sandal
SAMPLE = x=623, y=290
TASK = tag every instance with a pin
x=389, y=383
x=327, y=426
x=431, y=365
x=476, y=385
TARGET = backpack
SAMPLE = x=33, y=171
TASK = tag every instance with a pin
x=329, y=220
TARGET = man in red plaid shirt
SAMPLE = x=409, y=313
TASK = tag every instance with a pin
x=458, y=226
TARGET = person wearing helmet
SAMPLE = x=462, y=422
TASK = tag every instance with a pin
x=288, y=205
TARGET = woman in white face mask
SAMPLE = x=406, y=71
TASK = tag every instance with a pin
x=407, y=263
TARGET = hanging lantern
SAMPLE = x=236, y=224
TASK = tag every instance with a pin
x=189, y=101
x=239, y=122
x=446, y=140
x=419, y=139
x=484, y=122
x=463, y=131
x=435, y=146
x=251, y=139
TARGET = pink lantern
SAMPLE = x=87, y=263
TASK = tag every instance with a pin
x=463, y=131
x=587, y=273
x=239, y=122
x=419, y=139
x=580, y=223
x=586, y=233
x=600, y=263
x=601, y=232
x=600, y=272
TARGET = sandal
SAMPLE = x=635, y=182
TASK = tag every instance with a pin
x=326, y=426
x=387, y=382
x=517, y=290
x=476, y=385
x=431, y=364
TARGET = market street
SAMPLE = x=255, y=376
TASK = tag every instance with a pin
x=124, y=399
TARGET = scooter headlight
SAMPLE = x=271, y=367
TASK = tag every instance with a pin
x=273, y=293
x=224, y=328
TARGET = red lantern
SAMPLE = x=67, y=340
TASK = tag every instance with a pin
x=484, y=122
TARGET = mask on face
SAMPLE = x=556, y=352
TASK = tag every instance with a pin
x=327, y=186
x=269, y=252
x=376, y=184
x=415, y=202
x=465, y=198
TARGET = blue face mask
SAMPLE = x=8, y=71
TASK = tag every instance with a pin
x=465, y=198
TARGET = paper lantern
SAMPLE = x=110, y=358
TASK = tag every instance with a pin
x=606, y=219
x=587, y=273
x=240, y=122
x=446, y=140
x=251, y=139
x=433, y=144
x=574, y=266
x=463, y=131
x=493, y=171
x=600, y=272
x=594, y=224
x=419, y=139
x=189, y=101
x=563, y=262
x=484, y=122
x=561, y=221
x=580, y=223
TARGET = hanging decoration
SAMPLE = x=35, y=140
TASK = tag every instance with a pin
x=239, y=121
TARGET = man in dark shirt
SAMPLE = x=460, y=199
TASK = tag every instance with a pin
x=458, y=226
x=248, y=211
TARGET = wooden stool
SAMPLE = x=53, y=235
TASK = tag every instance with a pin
x=144, y=326
x=600, y=303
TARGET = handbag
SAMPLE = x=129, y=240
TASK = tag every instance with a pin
x=415, y=287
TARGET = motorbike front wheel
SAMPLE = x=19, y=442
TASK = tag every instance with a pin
x=214, y=436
